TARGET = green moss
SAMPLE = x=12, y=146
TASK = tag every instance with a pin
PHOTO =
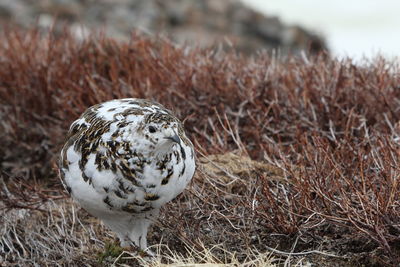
x=111, y=251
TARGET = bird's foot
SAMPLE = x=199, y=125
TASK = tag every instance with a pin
x=132, y=248
x=146, y=253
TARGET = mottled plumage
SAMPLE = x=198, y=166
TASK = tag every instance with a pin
x=123, y=160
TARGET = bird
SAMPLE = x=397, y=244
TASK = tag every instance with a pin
x=123, y=160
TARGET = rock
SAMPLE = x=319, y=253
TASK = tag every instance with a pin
x=201, y=23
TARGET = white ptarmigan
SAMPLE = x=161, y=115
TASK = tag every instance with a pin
x=123, y=160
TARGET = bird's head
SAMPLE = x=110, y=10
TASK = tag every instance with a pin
x=161, y=132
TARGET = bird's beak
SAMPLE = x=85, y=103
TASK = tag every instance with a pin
x=175, y=138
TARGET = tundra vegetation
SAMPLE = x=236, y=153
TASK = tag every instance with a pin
x=297, y=156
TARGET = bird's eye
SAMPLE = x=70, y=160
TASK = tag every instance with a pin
x=152, y=129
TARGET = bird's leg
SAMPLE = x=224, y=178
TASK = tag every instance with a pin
x=131, y=246
x=138, y=235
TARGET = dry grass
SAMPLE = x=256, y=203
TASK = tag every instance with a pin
x=296, y=157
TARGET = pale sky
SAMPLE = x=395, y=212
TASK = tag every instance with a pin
x=351, y=27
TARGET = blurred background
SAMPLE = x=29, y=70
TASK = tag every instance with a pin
x=355, y=28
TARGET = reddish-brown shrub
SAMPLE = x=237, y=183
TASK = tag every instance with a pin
x=328, y=124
